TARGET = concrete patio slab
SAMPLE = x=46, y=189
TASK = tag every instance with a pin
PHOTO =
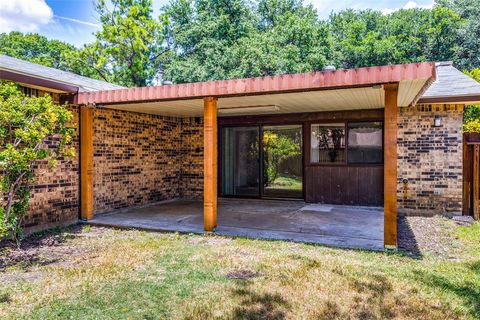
x=338, y=226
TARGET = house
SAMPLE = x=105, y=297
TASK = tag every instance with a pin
x=384, y=136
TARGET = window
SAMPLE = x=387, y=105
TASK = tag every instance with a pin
x=29, y=92
x=328, y=143
x=365, y=142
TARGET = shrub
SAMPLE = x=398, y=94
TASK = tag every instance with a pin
x=26, y=123
x=472, y=126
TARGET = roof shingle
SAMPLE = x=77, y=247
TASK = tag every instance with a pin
x=35, y=70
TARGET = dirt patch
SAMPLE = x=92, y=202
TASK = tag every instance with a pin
x=27, y=276
x=51, y=247
x=434, y=235
x=243, y=274
x=209, y=240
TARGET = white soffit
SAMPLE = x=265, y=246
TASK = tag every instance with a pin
x=297, y=102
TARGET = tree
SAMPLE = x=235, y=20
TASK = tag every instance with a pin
x=467, y=50
x=202, y=34
x=366, y=38
x=277, y=148
x=232, y=39
x=38, y=49
x=471, y=116
x=129, y=50
x=26, y=124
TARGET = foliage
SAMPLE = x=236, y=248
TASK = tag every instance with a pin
x=330, y=139
x=472, y=112
x=26, y=124
x=233, y=39
x=277, y=148
x=472, y=125
x=467, y=52
x=38, y=49
x=198, y=40
x=129, y=49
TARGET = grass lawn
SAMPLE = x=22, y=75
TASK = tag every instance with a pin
x=291, y=183
x=97, y=273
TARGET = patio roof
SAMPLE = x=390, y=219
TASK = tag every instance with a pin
x=348, y=89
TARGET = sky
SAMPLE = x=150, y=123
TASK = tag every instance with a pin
x=74, y=21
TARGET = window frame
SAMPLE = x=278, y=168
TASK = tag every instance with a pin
x=327, y=164
x=383, y=143
x=345, y=163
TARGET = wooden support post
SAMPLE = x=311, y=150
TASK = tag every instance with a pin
x=86, y=162
x=390, y=166
x=210, y=164
x=476, y=181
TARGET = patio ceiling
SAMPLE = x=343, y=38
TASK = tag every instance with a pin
x=351, y=89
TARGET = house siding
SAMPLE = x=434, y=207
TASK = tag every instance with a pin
x=141, y=159
x=54, y=198
x=430, y=160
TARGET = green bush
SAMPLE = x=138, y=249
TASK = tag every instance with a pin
x=472, y=126
x=26, y=123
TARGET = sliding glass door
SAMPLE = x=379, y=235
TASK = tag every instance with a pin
x=282, y=161
x=262, y=161
x=240, y=161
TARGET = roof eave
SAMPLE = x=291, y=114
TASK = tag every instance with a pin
x=466, y=99
x=37, y=81
x=348, y=78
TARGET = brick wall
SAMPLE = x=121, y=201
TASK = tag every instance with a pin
x=191, y=157
x=143, y=158
x=54, y=198
x=431, y=159
x=138, y=159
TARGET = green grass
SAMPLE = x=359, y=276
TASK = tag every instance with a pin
x=112, y=274
x=283, y=182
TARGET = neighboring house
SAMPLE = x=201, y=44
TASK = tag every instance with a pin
x=381, y=136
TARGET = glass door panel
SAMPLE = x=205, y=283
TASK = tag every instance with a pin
x=282, y=161
x=240, y=161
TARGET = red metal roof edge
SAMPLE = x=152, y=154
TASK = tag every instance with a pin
x=342, y=78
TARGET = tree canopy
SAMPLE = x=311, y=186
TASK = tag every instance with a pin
x=197, y=40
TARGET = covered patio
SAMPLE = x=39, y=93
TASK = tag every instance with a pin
x=331, y=225
x=237, y=118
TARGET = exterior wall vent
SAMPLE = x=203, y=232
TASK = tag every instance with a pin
x=329, y=68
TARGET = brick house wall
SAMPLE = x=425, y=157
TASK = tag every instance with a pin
x=191, y=157
x=142, y=158
x=138, y=159
x=54, y=198
x=430, y=158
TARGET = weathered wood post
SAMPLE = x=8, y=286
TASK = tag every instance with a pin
x=390, y=166
x=86, y=162
x=210, y=164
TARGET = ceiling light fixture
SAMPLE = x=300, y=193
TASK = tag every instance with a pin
x=252, y=109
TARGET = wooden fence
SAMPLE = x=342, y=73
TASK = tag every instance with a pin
x=471, y=175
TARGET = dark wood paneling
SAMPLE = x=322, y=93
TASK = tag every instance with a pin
x=335, y=184
x=331, y=116
x=362, y=185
